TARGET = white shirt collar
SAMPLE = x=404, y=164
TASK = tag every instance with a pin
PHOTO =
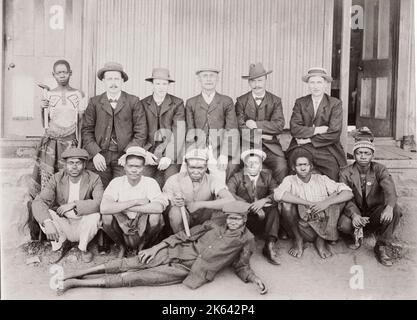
x=117, y=97
x=208, y=98
x=255, y=96
x=253, y=178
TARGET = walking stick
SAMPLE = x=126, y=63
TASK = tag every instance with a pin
x=184, y=218
x=45, y=90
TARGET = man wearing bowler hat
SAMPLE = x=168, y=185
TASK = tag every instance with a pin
x=165, y=116
x=259, y=112
x=68, y=207
x=316, y=125
x=113, y=122
x=212, y=123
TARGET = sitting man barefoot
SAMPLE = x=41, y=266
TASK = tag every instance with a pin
x=193, y=260
x=309, y=205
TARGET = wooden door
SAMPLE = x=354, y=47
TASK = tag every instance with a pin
x=376, y=70
x=37, y=33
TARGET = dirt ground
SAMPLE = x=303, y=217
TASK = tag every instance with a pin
x=307, y=278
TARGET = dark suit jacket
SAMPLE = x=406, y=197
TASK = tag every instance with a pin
x=219, y=115
x=56, y=193
x=240, y=186
x=380, y=188
x=129, y=123
x=268, y=117
x=172, y=118
x=329, y=113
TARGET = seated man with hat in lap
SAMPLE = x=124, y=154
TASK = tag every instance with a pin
x=256, y=186
x=68, y=207
x=201, y=193
x=136, y=203
x=192, y=260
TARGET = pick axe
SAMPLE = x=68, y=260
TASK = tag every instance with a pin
x=45, y=90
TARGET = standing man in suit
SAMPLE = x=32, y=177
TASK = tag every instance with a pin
x=113, y=122
x=256, y=186
x=316, y=125
x=259, y=112
x=165, y=116
x=211, y=122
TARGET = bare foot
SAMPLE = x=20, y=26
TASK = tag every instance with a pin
x=297, y=249
x=64, y=286
x=322, y=249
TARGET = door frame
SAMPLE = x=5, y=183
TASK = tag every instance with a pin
x=2, y=13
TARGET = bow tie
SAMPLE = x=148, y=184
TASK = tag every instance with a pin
x=259, y=98
x=113, y=100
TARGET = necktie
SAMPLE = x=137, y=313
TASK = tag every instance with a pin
x=113, y=100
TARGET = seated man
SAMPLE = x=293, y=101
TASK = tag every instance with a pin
x=135, y=202
x=374, y=206
x=256, y=186
x=201, y=194
x=68, y=207
x=310, y=205
x=193, y=260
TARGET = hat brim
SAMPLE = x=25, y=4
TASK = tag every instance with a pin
x=257, y=76
x=325, y=76
x=207, y=70
x=152, y=79
x=247, y=153
x=101, y=72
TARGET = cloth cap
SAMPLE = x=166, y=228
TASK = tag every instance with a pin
x=255, y=71
x=160, y=73
x=197, y=154
x=236, y=207
x=75, y=153
x=253, y=152
x=207, y=69
x=112, y=66
x=136, y=151
x=317, y=72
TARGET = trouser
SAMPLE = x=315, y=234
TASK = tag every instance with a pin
x=267, y=227
x=324, y=161
x=154, y=225
x=383, y=231
x=161, y=270
x=161, y=176
x=113, y=169
x=277, y=164
x=195, y=218
x=80, y=230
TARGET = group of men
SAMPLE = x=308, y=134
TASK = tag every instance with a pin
x=181, y=185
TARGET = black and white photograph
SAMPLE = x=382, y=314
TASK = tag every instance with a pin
x=187, y=150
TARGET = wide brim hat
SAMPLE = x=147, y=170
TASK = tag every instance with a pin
x=255, y=71
x=210, y=69
x=161, y=74
x=112, y=66
x=253, y=152
x=236, y=207
x=317, y=72
x=133, y=151
x=75, y=153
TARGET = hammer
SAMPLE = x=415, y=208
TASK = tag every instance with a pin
x=45, y=90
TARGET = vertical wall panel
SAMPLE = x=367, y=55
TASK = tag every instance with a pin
x=288, y=36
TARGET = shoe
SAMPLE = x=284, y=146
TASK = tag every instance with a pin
x=382, y=256
x=270, y=253
x=87, y=256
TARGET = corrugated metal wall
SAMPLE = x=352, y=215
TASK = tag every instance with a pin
x=288, y=36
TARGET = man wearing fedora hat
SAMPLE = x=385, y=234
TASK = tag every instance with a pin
x=256, y=187
x=259, y=112
x=211, y=122
x=165, y=116
x=68, y=207
x=113, y=121
x=316, y=125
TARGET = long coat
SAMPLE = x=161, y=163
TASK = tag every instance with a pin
x=240, y=186
x=329, y=113
x=129, y=123
x=171, y=118
x=268, y=116
x=219, y=115
x=56, y=193
x=379, y=190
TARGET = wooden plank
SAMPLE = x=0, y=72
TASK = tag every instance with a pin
x=2, y=70
x=23, y=27
x=54, y=28
x=381, y=98
x=383, y=29
x=345, y=66
x=368, y=32
x=366, y=98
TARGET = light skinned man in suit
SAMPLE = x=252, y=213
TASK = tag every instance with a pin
x=316, y=125
x=259, y=113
